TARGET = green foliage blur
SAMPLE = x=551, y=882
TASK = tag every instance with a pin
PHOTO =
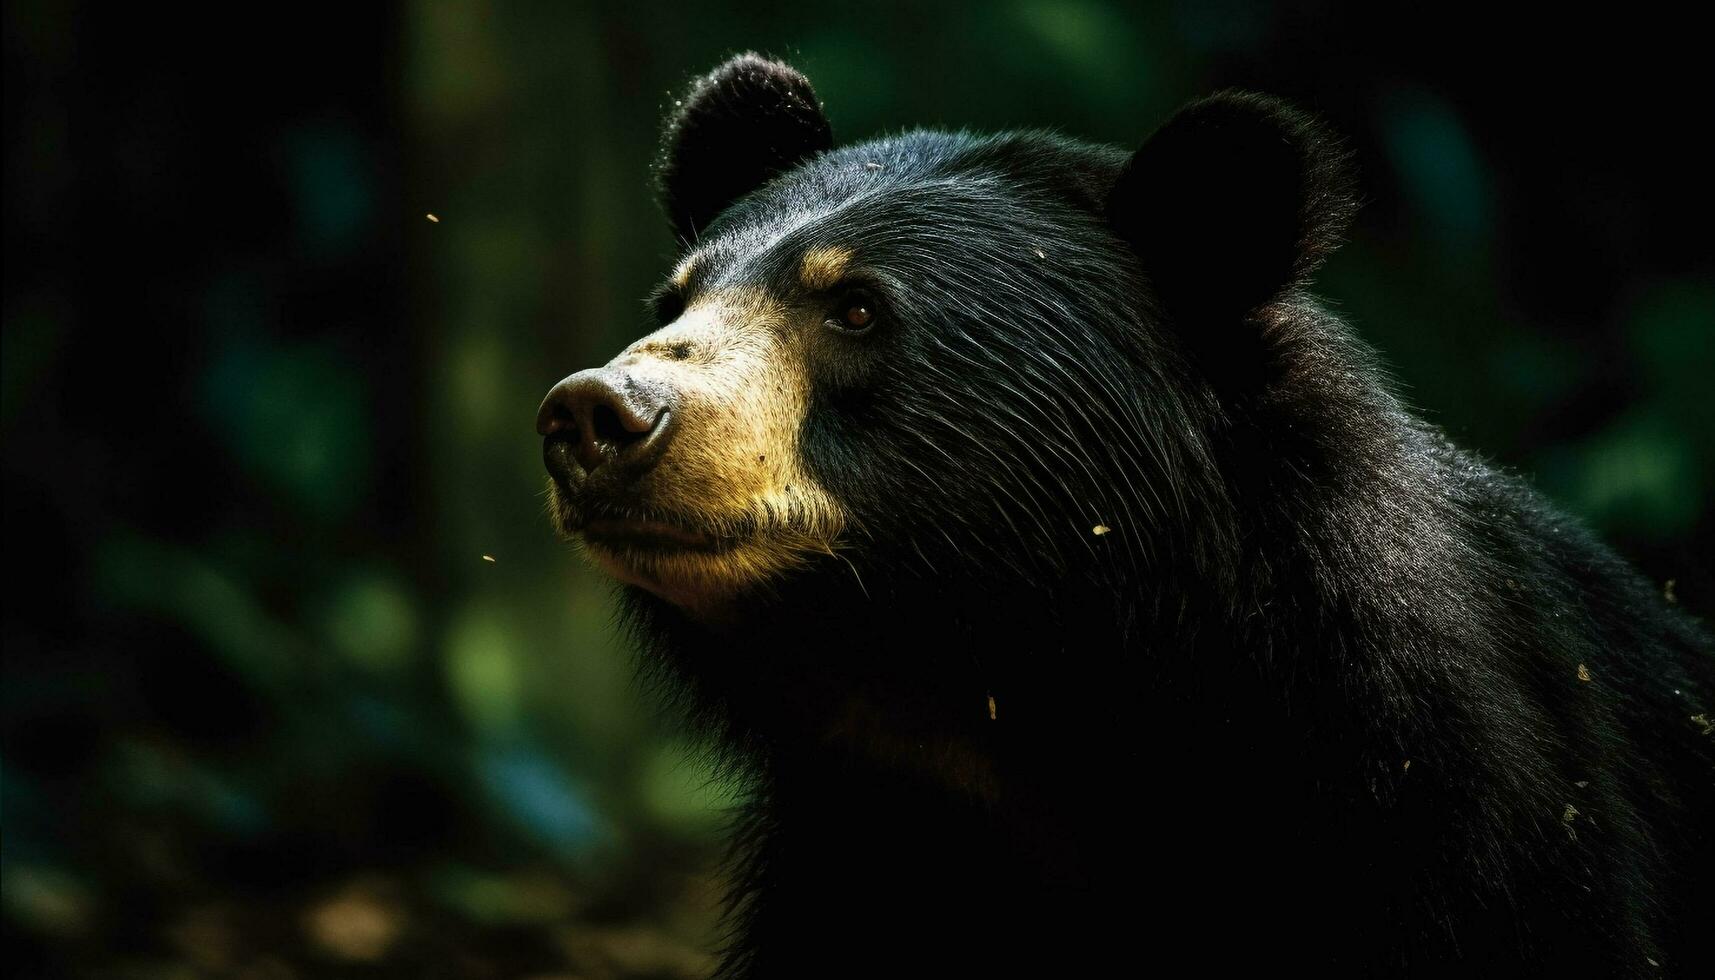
x=298, y=681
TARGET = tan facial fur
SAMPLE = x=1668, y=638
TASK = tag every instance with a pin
x=681, y=276
x=823, y=266
x=732, y=468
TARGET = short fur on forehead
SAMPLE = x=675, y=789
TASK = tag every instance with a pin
x=747, y=121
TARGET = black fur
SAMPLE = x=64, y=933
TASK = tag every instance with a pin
x=735, y=127
x=1236, y=198
x=1317, y=701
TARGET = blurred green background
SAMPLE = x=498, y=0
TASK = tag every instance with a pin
x=298, y=682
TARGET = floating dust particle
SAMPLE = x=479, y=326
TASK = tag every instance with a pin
x=488, y=558
x=1708, y=726
x=991, y=708
x=1584, y=673
x=432, y=218
x=1100, y=529
x=1667, y=591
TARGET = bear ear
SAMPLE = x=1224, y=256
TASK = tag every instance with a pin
x=736, y=127
x=1236, y=199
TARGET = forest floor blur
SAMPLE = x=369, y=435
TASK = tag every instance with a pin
x=530, y=922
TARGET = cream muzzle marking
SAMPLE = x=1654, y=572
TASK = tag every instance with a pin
x=728, y=506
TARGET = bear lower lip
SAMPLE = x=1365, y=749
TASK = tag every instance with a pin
x=650, y=535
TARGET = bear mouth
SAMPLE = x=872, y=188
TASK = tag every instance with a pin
x=642, y=533
x=652, y=535
x=696, y=561
x=671, y=557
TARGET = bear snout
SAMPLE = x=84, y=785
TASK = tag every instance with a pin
x=604, y=418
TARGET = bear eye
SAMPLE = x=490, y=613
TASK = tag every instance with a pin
x=854, y=314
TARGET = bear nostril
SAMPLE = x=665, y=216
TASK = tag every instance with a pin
x=609, y=430
x=611, y=426
x=559, y=419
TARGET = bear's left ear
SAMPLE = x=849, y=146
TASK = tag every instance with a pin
x=1236, y=199
x=748, y=120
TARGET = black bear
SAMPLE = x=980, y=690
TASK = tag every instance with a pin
x=1076, y=595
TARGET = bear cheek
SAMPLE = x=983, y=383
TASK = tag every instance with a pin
x=741, y=403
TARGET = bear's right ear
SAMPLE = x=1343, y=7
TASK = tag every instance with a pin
x=1235, y=200
x=748, y=120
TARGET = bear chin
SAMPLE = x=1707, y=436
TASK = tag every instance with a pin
x=697, y=578
x=709, y=577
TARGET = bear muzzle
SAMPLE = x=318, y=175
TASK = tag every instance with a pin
x=677, y=468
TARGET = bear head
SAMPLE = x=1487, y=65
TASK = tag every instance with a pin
x=936, y=356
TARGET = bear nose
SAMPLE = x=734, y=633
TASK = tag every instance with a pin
x=604, y=416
